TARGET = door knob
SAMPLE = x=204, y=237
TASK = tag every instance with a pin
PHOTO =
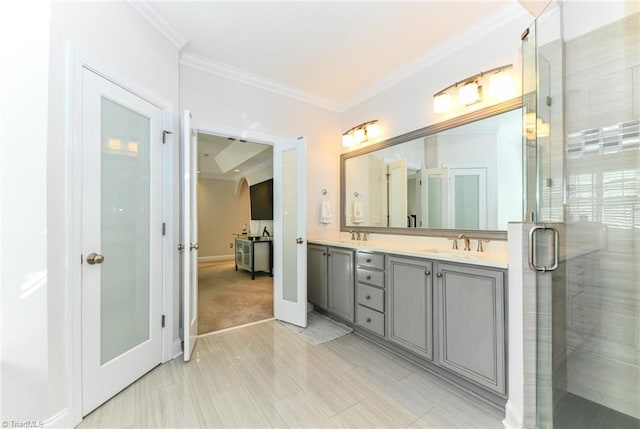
x=195, y=246
x=299, y=240
x=94, y=258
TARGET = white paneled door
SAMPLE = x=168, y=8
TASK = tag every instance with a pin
x=121, y=238
x=290, y=223
x=189, y=233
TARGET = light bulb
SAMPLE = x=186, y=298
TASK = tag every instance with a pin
x=359, y=135
x=347, y=140
x=442, y=103
x=469, y=93
x=500, y=86
x=373, y=130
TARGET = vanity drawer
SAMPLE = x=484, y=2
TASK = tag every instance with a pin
x=371, y=260
x=371, y=297
x=370, y=319
x=371, y=277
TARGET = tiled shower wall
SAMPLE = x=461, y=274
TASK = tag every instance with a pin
x=602, y=216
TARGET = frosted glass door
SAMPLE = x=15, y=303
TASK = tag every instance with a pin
x=290, y=221
x=121, y=238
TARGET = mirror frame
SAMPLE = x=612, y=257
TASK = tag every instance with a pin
x=457, y=121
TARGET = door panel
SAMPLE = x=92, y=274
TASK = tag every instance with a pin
x=289, y=215
x=121, y=238
x=398, y=193
x=189, y=235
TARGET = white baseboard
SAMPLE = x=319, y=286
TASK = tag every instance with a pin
x=512, y=417
x=62, y=419
x=216, y=258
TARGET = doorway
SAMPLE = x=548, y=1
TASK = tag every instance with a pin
x=235, y=228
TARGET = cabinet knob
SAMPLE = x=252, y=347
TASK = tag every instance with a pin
x=439, y=274
x=368, y=297
x=324, y=253
x=368, y=259
x=368, y=277
x=368, y=319
x=427, y=272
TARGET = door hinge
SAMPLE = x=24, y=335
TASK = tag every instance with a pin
x=81, y=258
x=164, y=228
x=548, y=101
x=549, y=182
x=163, y=320
x=164, y=136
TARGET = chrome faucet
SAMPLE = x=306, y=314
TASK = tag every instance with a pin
x=455, y=242
x=357, y=235
x=467, y=243
x=364, y=236
x=353, y=234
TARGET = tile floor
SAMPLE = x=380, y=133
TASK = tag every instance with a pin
x=265, y=375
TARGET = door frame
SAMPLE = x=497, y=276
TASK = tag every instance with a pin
x=78, y=59
x=255, y=137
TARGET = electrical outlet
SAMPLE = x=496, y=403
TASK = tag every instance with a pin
x=230, y=245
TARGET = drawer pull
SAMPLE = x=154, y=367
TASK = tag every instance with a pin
x=368, y=319
x=439, y=274
x=368, y=259
x=427, y=273
x=368, y=297
x=368, y=277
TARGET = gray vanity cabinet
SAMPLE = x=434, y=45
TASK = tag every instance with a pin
x=409, y=314
x=317, y=272
x=471, y=323
x=341, y=283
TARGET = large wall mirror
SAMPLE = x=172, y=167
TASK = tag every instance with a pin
x=461, y=175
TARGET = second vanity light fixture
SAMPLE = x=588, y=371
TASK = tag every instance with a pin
x=361, y=133
x=470, y=90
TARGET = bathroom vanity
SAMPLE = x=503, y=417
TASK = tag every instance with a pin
x=443, y=309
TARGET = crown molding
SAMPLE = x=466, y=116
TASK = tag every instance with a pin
x=227, y=71
x=158, y=22
x=501, y=17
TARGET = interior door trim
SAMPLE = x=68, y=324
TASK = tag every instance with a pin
x=78, y=59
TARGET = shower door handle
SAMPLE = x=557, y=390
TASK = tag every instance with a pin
x=533, y=263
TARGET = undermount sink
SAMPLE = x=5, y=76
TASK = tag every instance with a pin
x=454, y=254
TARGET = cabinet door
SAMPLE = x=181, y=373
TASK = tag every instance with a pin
x=470, y=304
x=409, y=310
x=317, y=275
x=341, y=283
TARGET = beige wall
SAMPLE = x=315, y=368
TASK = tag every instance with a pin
x=221, y=213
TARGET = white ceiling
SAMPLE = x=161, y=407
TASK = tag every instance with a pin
x=331, y=53
x=331, y=50
x=230, y=159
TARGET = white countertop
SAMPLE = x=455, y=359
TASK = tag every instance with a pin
x=428, y=250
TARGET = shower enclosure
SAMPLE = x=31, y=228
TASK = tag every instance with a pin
x=581, y=96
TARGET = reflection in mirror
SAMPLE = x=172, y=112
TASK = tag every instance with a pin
x=466, y=177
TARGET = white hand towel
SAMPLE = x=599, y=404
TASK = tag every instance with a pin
x=325, y=212
x=358, y=212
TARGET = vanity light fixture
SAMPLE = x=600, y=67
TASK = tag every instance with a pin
x=470, y=90
x=361, y=133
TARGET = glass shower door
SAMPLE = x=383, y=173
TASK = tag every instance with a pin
x=585, y=147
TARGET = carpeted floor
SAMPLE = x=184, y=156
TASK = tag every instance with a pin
x=229, y=298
